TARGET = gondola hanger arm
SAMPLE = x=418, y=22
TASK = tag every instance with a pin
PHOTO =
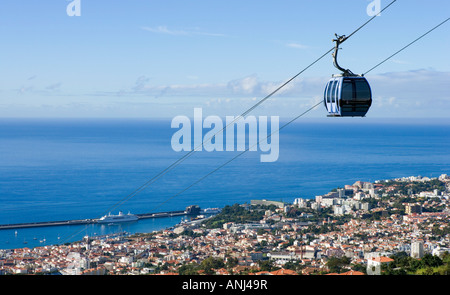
x=339, y=40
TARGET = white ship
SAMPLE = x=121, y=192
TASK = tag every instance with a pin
x=118, y=218
x=211, y=210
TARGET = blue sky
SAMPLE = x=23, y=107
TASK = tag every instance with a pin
x=151, y=58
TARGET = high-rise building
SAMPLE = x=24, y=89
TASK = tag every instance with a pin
x=413, y=208
x=417, y=249
x=300, y=202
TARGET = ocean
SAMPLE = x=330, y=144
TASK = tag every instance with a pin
x=61, y=169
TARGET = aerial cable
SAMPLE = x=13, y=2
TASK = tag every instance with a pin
x=363, y=25
x=221, y=166
x=187, y=155
x=285, y=125
x=282, y=127
x=407, y=46
x=238, y=155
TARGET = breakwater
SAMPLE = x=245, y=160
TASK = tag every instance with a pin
x=190, y=210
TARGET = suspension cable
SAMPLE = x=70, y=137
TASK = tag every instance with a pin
x=407, y=45
x=276, y=131
x=238, y=155
x=285, y=125
x=183, y=158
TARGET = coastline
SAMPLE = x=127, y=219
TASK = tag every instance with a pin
x=288, y=229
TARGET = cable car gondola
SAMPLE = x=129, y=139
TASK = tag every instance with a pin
x=346, y=94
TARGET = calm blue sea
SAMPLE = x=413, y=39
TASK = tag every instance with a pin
x=59, y=169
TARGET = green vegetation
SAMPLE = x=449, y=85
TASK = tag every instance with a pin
x=235, y=213
x=207, y=266
x=336, y=264
x=403, y=264
x=440, y=233
x=407, y=188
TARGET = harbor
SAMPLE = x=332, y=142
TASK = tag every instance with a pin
x=190, y=210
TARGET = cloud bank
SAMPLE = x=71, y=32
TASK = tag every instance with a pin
x=416, y=93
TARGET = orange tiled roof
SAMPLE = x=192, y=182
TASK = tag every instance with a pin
x=348, y=273
x=352, y=273
x=283, y=272
x=382, y=259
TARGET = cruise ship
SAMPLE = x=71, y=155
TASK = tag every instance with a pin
x=211, y=210
x=118, y=218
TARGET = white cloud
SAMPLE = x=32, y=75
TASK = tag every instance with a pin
x=54, y=86
x=297, y=45
x=25, y=89
x=185, y=32
x=246, y=85
x=419, y=93
x=141, y=83
x=416, y=93
x=422, y=84
x=164, y=30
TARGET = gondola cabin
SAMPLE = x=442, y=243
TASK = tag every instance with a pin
x=347, y=96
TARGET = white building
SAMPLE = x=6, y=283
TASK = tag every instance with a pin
x=417, y=249
x=338, y=210
x=374, y=264
x=315, y=206
x=300, y=202
x=328, y=202
x=438, y=251
x=443, y=177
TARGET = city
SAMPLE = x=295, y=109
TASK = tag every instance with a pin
x=391, y=227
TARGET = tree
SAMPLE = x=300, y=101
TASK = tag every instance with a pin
x=188, y=269
x=336, y=264
x=211, y=263
x=235, y=213
x=429, y=260
x=293, y=265
x=267, y=265
x=231, y=262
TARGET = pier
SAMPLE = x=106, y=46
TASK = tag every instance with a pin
x=190, y=210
